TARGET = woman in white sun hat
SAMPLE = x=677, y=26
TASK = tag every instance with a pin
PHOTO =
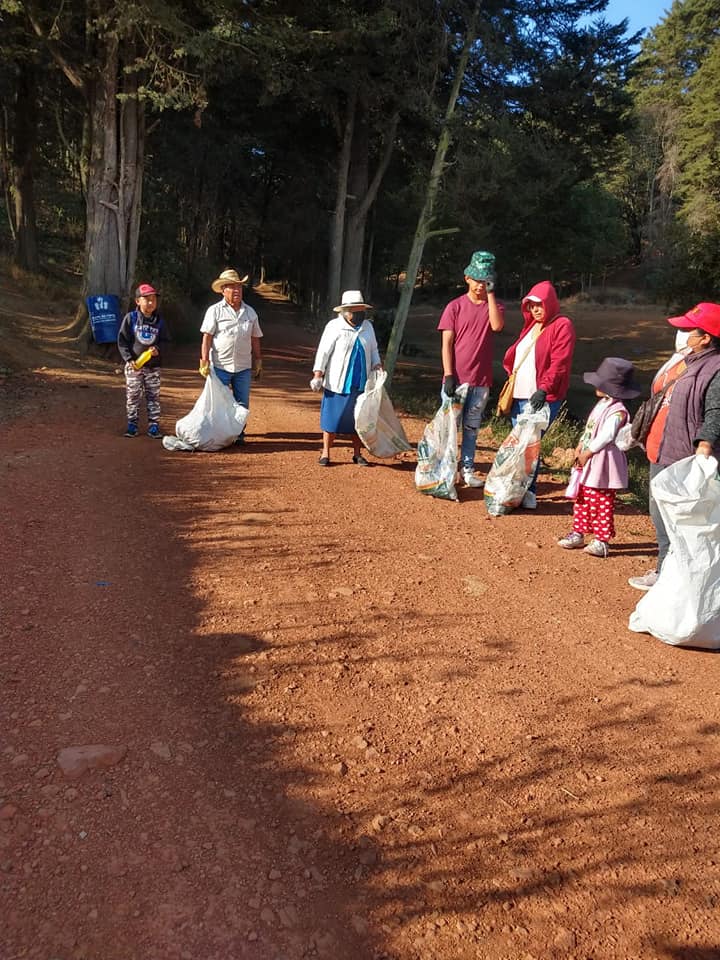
x=347, y=352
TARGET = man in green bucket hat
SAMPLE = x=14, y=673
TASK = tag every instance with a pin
x=466, y=327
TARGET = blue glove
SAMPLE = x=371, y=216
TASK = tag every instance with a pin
x=537, y=399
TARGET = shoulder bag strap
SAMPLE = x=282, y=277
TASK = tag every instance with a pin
x=529, y=349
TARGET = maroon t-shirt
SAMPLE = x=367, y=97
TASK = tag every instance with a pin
x=472, y=346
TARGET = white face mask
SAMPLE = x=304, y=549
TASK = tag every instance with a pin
x=681, y=340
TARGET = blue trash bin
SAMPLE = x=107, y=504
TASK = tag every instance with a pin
x=104, y=313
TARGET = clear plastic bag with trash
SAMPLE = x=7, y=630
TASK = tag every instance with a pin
x=514, y=466
x=437, y=451
x=376, y=422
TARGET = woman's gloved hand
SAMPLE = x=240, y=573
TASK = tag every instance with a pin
x=204, y=369
x=316, y=384
x=537, y=399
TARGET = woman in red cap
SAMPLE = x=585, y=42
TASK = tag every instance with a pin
x=687, y=421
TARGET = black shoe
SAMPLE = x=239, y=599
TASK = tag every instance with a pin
x=239, y=441
x=361, y=461
x=324, y=461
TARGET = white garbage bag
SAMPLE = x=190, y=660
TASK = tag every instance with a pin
x=683, y=608
x=437, y=451
x=376, y=422
x=214, y=422
x=514, y=466
x=173, y=443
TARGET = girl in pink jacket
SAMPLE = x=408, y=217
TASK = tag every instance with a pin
x=604, y=466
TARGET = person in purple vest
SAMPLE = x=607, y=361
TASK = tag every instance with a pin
x=688, y=419
x=604, y=466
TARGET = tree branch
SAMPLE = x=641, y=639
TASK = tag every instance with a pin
x=73, y=75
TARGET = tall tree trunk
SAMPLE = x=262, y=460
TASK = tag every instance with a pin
x=364, y=195
x=5, y=166
x=23, y=161
x=115, y=175
x=132, y=157
x=358, y=177
x=337, y=226
x=102, y=251
x=422, y=231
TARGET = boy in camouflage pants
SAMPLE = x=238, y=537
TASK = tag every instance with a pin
x=141, y=330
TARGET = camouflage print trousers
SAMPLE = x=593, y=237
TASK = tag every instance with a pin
x=137, y=383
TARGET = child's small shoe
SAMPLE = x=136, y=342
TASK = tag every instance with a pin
x=154, y=431
x=573, y=541
x=131, y=429
x=597, y=548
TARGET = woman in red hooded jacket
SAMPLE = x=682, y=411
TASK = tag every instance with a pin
x=541, y=358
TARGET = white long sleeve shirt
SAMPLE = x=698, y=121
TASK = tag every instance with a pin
x=336, y=347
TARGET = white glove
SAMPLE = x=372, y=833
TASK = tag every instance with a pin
x=316, y=384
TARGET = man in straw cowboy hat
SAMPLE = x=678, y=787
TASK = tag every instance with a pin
x=466, y=327
x=231, y=339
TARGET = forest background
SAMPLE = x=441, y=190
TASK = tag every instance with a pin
x=335, y=144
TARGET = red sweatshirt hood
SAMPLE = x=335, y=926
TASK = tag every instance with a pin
x=544, y=291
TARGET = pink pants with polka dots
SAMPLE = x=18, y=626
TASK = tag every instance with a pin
x=594, y=512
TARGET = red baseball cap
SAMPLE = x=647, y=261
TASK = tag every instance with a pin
x=705, y=316
x=145, y=290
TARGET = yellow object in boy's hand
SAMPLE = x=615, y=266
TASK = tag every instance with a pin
x=204, y=369
x=143, y=358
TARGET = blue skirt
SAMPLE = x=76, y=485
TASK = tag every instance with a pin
x=337, y=411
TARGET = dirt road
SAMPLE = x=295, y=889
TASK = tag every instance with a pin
x=348, y=721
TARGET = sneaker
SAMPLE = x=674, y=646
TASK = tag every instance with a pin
x=361, y=461
x=597, y=548
x=644, y=582
x=573, y=541
x=529, y=501
x=470, y=479
x=154, y=431
x=131, y=429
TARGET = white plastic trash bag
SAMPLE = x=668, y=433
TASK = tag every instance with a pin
x=683, y=608
x=175, y=443
x=514, y=467
x=214, y=422
x=437, y=451
x=376, y=422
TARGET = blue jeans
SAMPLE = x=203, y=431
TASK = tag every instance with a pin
x=240, y=383
x=470, y=417
x=517, y=406
x=663, y=540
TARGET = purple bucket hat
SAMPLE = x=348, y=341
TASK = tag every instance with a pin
x=616, y=378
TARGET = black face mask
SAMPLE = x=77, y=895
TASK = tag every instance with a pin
x=355, y=319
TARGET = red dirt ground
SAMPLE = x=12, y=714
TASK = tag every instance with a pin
x=359, y=722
